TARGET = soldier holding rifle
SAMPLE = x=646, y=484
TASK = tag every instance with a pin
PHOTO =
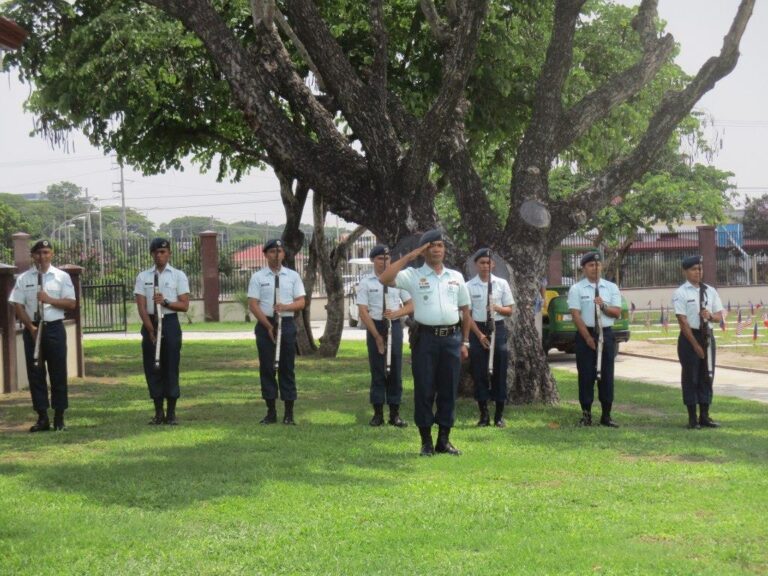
x=41, y=296
x=696, y=307
x=161, y=293
x=492, y=301
x=595, y=303
x=381, y=309
x=275, y=294
x=441, y=308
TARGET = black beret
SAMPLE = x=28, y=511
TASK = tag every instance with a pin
x=40, y=244
x=482, y=253
x=275, y=243
x=591, y=257
x=430, y=236
x=378, y=250
x=158, y=243
x=691, y=261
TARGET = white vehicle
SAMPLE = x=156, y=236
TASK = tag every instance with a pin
x=357, y=268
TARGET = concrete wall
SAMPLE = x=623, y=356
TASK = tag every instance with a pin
x=21, y=362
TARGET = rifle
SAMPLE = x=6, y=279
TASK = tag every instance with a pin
x=491, y=327
x=159, y=317
x=39, y=319
x=388, y=327
x=599, y=326
x=278, y=322
x=706, y=334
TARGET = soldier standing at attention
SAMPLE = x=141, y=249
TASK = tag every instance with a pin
x=168, y=296
x=441, y=307
x=591, y=296
x=57, y=294
x=696, y=303
x=266, y=304
x=480, y=341
x=378, y=303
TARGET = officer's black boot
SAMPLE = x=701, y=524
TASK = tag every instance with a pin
x=288, y=417
x=498, y=417
x=693, y=423
x=427, y=448
x=605, y=419
x=58, y=421
x=170, y=415
x=485, y=419
x=159, y=416
x=394, y=417
x=378, y=415
x=42, y=423
x=444, y=445
x=586, y=417
x=271, y=416
x=704, y=420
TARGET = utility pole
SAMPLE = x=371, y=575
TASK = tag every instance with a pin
x=123, y=223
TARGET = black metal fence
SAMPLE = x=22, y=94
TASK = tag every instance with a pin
x=104, y=308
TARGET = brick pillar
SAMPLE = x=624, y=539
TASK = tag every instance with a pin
x=708, y=249
x=21, y=254
x=8, y=381
x=555, y=268
x=75, y=272
x=209, y=254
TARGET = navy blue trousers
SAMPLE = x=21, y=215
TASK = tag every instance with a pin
x=586, y=363
x=383, y=390
x=697, y=388
x=485, y=390
x=53, y=350
x=436, y=371
x=286, y=373
x=165, y=382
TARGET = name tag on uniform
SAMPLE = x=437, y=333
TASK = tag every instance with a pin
x=149, y=283
x=265, y=284
x=692, y=300
x=585, y=297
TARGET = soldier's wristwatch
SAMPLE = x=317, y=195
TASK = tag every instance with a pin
x=166, y=303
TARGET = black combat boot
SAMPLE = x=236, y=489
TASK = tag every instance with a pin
x=704, y=420
x=159, y=416
x=394, y=417
x=498, y=417
x=605, y=418
x=485, y=418
x=58, y=421
x=271, y=417
x=170, y=415
x=378, y=415
x=42, y=423
x=427, y=448
x=288, y=416
x=693, y=423
x=444, y=445
x=586, y=418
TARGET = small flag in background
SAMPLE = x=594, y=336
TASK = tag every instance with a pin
x=661, y=315
x=765, y=319
x=665, y=319
x=751, y=308
x=754, y=335
x=729, y=305
x=648, y=316
x=739, y=325
x=722, y=323
x=632, y=312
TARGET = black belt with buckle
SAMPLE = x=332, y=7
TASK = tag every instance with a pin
x=439, y=330
x=51, y=323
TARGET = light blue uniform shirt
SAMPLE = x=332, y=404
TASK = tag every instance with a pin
x=56, y=283
x=370, y=293
x=172, y=283
x=436, y=298
x=478, y=293
x=687, y=302
x=262, y=288
x=581, y=296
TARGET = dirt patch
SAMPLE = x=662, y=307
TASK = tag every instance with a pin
x=726, y=357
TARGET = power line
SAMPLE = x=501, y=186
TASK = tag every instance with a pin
x=207, y=205
x=38, y=162
x=201, y=195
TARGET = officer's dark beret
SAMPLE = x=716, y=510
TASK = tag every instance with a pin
x=591, y=257
x=275, y=243
x=40, y=244
x=158, y=243
x=430, y=236
x=482, y=253
x=378, y=250
x=691, y=261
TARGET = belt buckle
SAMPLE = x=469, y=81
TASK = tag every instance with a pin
x=442, y=331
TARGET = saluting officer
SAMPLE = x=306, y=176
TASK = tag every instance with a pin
x=695, y=302
x=480, y=341
x=171, y=297
x=591, y=296
x=375, y=306
x=265, y=306
x=57, y=294
x=441, y=308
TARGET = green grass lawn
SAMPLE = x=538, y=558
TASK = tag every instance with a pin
x=220, y=494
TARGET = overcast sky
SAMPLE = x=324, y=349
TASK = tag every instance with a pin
x=737, y=105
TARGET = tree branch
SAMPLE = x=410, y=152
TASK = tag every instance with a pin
x=380, y=41
x=263, y=13
x=439, y=29
x=300, y=48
